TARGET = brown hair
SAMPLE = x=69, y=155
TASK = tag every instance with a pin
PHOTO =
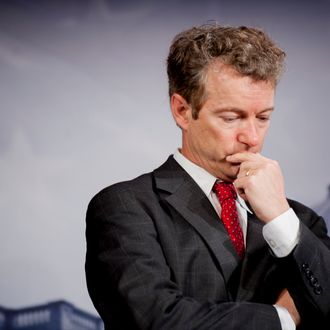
x=247, y=50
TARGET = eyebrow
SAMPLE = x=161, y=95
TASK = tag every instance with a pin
x=241, y=111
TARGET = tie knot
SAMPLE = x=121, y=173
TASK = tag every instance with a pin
x=224, y=191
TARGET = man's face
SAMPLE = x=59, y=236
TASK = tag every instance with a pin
x=235, y=118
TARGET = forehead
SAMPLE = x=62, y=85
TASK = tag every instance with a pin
x=223, y=84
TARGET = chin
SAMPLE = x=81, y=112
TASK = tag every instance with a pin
x=234, y=169
x=231, y=178
x=228, y=176
x=228, y=172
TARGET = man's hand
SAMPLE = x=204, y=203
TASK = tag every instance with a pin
x=260, y=182
x=285, y=300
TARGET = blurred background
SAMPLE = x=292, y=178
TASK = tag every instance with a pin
x=83, y=94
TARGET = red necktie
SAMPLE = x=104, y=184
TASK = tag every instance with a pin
x=226, y=194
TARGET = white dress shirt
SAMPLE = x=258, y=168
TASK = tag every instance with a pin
x=281, y=234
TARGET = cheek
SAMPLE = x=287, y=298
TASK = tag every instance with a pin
x=219, y=142
x=220, y=145
x=227, y=140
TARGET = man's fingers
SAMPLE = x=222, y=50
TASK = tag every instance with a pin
x=240, y=185
x=243, y=157
x=247, y=169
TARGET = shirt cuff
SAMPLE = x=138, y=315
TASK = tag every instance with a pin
x=286, y=320
x=282, y=233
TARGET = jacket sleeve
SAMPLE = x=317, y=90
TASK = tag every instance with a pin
x=308, y=270
x=130, y=282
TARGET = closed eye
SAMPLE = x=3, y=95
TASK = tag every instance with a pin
x=264, y=118
x=229, y=119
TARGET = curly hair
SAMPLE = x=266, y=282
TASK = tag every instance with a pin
x=249, y=51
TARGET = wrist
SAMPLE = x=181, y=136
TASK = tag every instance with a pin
x=276, y=211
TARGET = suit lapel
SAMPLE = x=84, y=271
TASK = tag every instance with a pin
x=185, y=196
x=178, y=189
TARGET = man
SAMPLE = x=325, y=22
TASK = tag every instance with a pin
x=178, y=248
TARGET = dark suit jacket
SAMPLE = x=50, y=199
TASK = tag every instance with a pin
x=159, y=258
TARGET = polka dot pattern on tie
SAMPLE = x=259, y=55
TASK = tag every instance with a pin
x=226, y=194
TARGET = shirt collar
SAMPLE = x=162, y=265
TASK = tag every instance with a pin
x=204, y=179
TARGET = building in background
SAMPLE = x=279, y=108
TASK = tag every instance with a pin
x=59, y=315
x=323, y=209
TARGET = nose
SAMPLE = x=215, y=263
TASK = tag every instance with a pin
x=249, y=134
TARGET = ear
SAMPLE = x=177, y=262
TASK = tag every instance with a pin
x=181, y=110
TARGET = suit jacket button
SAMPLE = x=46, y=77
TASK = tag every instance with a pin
x=318, y=289
x=313, y=281
x=309, y=274
x=304, y=266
